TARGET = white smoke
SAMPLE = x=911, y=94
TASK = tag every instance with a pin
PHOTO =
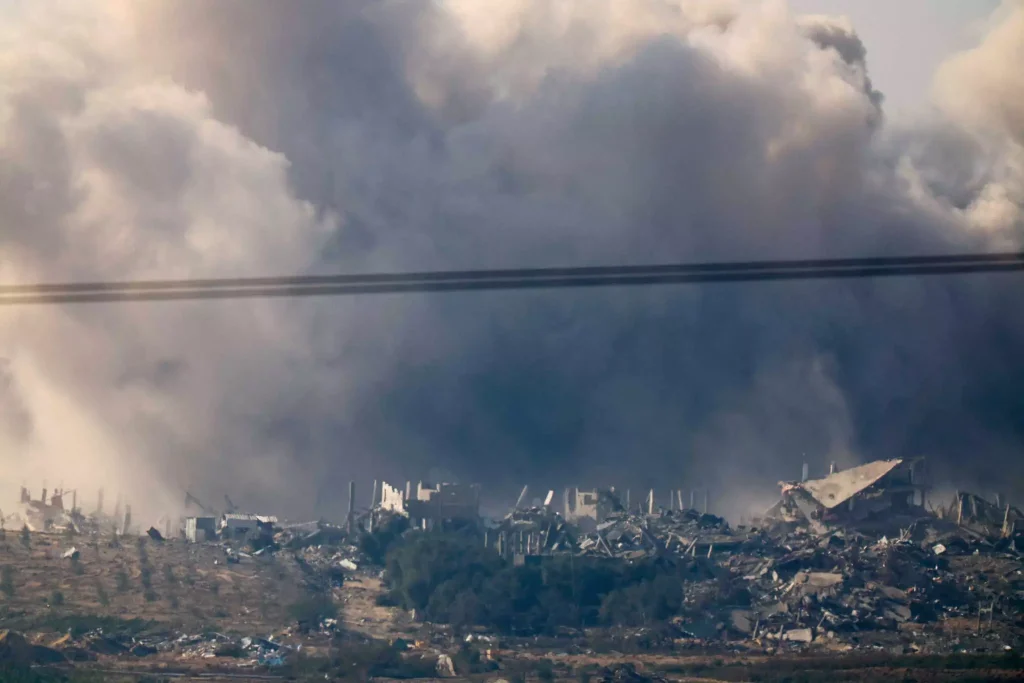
x=168, y=139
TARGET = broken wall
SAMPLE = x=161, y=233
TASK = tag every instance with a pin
x=391, y=498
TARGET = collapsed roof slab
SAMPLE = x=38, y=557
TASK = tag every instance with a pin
x=836, y=489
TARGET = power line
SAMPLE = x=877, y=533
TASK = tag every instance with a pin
x=508, y=279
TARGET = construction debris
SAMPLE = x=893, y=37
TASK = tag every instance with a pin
x=855, y=559
x=838, y=559
x=445, y=666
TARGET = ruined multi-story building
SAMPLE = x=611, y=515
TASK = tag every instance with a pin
x=430, y=504
x=587, y=509
x=886, y=487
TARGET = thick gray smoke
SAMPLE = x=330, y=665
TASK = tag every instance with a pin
x=218, y=138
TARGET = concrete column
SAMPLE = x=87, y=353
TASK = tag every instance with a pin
x=650, y=502
x=351, y=507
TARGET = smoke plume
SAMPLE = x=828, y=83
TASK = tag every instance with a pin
x=205, y=139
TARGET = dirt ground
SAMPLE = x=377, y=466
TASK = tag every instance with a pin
x=184, y=586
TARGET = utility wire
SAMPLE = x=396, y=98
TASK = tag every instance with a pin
x=524, y=278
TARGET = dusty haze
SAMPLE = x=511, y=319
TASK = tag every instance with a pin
x=171, y=139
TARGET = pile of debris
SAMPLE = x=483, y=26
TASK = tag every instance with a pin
x=804, y=587
x=533, y=531
x=843, y=558
x=244, y=652
x=681, y=532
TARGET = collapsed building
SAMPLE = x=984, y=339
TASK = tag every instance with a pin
x=239, y=525
x=49, y=512
x=436, y=503
x=426, y=506
x=587, y=509
x=972, y=512
x=880, y=491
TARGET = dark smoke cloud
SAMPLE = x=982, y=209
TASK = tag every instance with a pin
x=218, y=138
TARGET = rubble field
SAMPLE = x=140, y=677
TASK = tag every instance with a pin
x=201, y=610
x=854, y=576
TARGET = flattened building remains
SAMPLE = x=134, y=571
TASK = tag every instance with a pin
x=859, y=550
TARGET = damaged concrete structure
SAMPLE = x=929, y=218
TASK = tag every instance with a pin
x=49, y=512
x=857, y=495
x=391, y=499
x=200, y=529
x=587, y=509
x=973, y=512
x=235, y=525
x=437, y=503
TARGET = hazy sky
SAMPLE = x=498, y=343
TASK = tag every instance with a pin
x=906, y=40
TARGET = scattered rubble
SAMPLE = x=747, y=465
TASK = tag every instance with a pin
x=836, y=560
x=856, y=559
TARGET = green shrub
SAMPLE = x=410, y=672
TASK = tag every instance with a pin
x=453, y=579
x=169, y=576
x=7, y=580
x=310, y=612
x=101, y=594
x=386, y=535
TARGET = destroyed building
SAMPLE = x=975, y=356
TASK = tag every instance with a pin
x=47, y=513
x=391, y=498
x=436, y=503
x=857, y=495
x=587, y=509
x=237, y=524
x=200, y=529
x=973, y=512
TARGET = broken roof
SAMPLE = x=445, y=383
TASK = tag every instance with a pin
x=838, y=488
x=240, y=517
